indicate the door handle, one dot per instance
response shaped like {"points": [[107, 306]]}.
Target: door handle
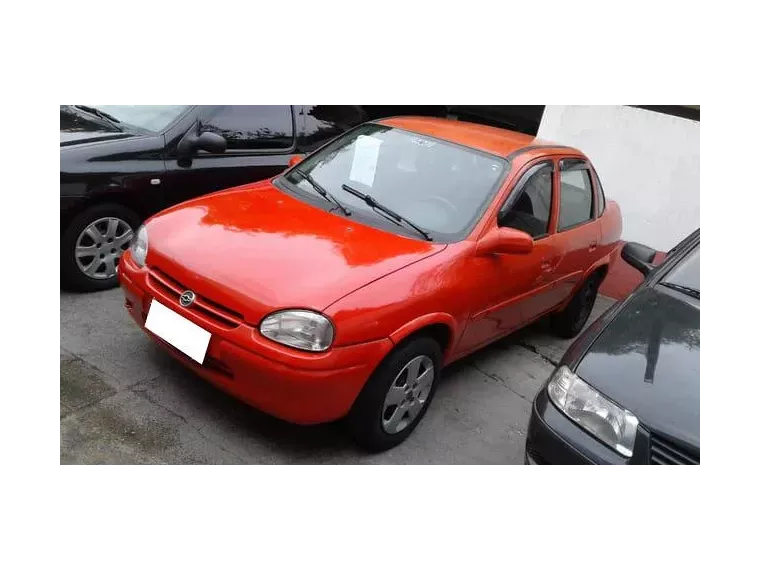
{"points": [[593, 245]]}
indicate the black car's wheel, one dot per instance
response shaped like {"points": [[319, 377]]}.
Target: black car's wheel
{"points": [[397, 395], [93, 243], [569, 322]]}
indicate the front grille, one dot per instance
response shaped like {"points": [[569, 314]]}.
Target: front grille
{"points": [[202, 306], [664, 452]]}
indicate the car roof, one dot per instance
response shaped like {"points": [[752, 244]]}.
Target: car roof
{"points": [[494, 140]]}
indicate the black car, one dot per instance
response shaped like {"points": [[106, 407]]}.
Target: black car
{"points": [[122, 163], [627, 390]]}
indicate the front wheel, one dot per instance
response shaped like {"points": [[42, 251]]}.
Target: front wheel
{"points": [[397, 395], [92, 245]]}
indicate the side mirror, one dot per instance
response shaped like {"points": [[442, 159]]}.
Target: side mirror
{"points": [[194, 141], [502, 241], [639, 256], [295, 159]]}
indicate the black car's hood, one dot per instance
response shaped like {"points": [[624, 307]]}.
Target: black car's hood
{"points": [[81, 128], [647, 360]]}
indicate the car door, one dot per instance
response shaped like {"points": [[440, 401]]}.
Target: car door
{"points": [[514, 289], [577, 227], [260, 141]]}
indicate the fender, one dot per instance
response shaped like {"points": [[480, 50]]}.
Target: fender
{"points": [[426, 320]]}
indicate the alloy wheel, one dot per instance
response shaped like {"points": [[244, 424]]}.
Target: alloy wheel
{"points": [[407, 394], [100, 246]]}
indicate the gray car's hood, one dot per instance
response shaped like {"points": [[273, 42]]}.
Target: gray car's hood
{"points": [[647, 360]]}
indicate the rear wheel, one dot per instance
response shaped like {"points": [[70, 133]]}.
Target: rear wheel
{"points": [[569, 322], [397, 395], [92, 245]]}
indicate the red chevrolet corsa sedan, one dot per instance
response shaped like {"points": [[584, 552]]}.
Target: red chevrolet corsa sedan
{"points": [[342, 287]]}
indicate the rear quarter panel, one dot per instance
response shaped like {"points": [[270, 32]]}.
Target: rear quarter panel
{"points": [[610, 229]]}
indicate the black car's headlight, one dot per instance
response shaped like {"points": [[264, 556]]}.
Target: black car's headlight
{"points": [[139, 246], [595, 413], [302, 329]]}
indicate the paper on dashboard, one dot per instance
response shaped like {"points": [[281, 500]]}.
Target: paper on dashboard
{"points": [[366, 151]]}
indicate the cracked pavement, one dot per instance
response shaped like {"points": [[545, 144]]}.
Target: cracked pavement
{"points": [[124, 401]]}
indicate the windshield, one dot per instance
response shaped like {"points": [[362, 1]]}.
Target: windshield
{"points": [[686, 273], [150, 117], [440, 187]]}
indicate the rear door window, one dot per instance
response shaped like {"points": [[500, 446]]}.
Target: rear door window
{"points": [[576, 205]]}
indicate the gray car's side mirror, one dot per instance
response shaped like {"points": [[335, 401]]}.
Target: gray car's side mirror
{"points": [[639, 256]]}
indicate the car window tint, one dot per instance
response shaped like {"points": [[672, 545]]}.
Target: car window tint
{"points": [[253, 127], [576, 200], [531, 210]]}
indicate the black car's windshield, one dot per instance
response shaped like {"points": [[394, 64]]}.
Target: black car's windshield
{"points": [[685, 275], [149, 117], [440, 187]]}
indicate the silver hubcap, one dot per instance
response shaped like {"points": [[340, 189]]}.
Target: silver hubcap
{"points": [[407, 394], [100, 245]]}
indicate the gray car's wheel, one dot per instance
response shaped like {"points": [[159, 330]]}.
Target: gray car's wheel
{"points": [[92, 245], [397, 395]]}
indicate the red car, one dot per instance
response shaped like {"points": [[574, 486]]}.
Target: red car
{"points": [[342, 287]]}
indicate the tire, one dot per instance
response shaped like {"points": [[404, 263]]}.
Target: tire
{"points": [[569, 322], [373, 422], [73, 276]]}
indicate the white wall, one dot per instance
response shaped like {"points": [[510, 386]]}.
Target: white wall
{"points": [[648, 163]]}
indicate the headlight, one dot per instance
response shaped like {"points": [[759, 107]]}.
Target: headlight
{"points": [[606, 420], [300, 329], [139, 247]]}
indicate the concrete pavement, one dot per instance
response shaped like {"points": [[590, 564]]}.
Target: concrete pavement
{"points": [[124, 401]]}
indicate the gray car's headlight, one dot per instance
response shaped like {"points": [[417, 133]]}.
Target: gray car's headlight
{"points": [[306, 330], [606, 420], [139, 247]]}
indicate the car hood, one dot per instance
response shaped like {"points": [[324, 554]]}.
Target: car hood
{"points": [[257, 249], [82, 128], [647, 360]]}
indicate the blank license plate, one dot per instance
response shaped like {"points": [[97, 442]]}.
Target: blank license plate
{"points": [[175, 329]]}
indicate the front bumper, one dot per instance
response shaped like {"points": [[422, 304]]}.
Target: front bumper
{"points": [[553, 438], [299, 387]]}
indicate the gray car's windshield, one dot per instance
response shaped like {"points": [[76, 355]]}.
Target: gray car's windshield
{"points": [[149, 117], [685, 275], [440, 187]]}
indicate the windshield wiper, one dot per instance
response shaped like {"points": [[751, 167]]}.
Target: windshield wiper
{"points": [[682, 289], [97, 112], [322, 192], [372, 203]]}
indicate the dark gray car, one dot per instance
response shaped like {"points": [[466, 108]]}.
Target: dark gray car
{"points": [[627, 390]]}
